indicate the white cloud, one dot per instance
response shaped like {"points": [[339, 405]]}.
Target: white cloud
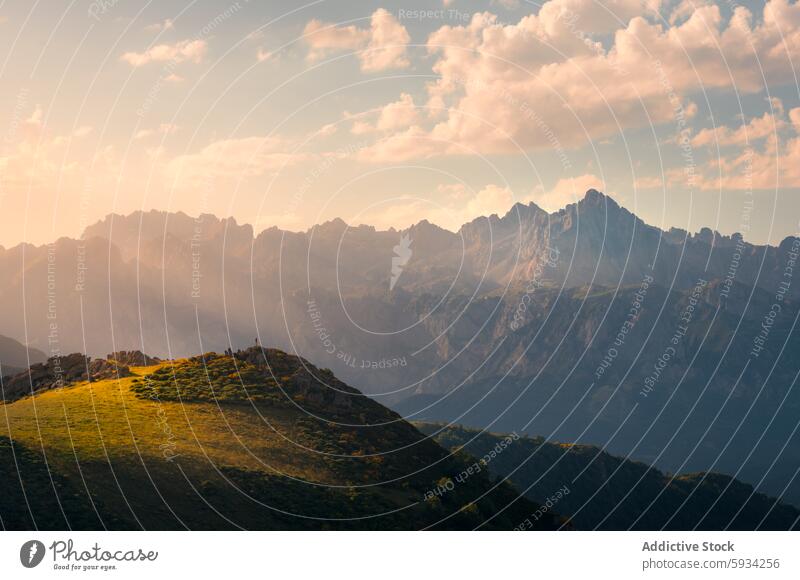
{"points": [[327, 130], [492, 199], [387, 44], [35, 119], [185, 50], [264, 55], [770, 164], [413, 143], [33, 157], [324, 39], [233, 159], [399, 114], [163, 129], [758, 128], [545, 82], [380, 47], [794, 116]]}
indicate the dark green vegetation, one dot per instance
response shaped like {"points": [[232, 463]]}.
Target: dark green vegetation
{"points": [[611, 493], [180, 445]]}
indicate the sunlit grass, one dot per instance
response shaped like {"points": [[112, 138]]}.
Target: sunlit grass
{"points": [[106, 420]]}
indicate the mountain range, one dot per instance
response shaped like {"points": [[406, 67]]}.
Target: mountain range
{"points": [[585, 325]]}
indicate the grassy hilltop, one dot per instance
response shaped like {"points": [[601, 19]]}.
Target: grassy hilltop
{"points": [[250, 440]]}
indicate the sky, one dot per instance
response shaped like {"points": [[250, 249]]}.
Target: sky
{"points": [[386, 113]]}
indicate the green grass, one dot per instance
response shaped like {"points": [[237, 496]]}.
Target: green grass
{"points": [[172, 447]]}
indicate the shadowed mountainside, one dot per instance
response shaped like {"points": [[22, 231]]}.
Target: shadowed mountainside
{"points": [[599, 491]]}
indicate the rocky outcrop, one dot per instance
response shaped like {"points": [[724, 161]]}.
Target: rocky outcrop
{"points": [[60, 372], [316, 387], [133, 358]]}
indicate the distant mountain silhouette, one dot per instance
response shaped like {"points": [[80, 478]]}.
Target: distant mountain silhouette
{"points": [[585, 324], [16, 357]]}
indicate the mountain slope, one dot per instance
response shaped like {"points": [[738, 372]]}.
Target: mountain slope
{"points": [[599, 491], [15, 357], [671, 378], [250, 440]]}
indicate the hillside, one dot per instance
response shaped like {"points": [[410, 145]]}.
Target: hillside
{"points": [[251, 439], [599, 491]]}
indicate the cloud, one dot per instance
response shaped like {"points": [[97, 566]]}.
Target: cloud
{"points": [[323, 38], [380, 47], [455, 206], [264, 55], [35, 118], [34, 157], [756, 129], [492, 199], [546, 82], [255, 35], [771, 163], [185, 50], [163, 129], [507, 4], [167, 24], [646, 182], [394, 116], [387, 44], [413, 143], [794, 116], [327, 130], [684, 9], [399, 114], [233, 159], [566, 190]]}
